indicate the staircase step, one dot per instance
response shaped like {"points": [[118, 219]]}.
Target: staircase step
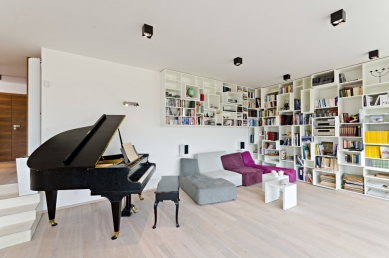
{"points": [[9, 191], [19, 204], [14, 239], [18, 222]]}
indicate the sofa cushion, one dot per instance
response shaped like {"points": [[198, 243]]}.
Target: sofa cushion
{"points": [[247, 159], [189, 167], [245, 170], [210, 161], [232, 161], [230, 176]]}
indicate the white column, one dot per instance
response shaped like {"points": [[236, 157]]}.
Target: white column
{"points": [[34, 104]]}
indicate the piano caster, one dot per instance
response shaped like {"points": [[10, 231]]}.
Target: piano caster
{"points": [[115, 235], [140, 197], [134, 210], [52, 223]]}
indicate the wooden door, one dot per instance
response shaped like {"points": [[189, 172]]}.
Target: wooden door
{"points": [[5, 127], [19, 126], [13, 126]]}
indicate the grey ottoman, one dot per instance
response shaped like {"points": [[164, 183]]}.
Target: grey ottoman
{"points": [[201, 188]]}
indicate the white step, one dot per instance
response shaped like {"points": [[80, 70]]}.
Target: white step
{"points": [[9, 191], [19, 225], [19, 204]]}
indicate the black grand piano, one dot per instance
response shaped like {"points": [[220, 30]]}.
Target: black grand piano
{"points": [[74, 160]]}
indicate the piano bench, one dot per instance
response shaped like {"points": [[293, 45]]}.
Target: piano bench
{"points": [[167, 190]]}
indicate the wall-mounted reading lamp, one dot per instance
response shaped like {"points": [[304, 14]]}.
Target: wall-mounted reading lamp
{"points": [[128, 103]]}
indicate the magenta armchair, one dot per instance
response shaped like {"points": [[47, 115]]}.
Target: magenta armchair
{"points": [[249, 162], [234, 162]]}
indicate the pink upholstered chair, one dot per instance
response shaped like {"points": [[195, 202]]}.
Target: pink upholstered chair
{"points": [[234, 162], [249, 162]]}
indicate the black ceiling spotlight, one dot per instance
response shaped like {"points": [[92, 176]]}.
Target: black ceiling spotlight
{"points": [[147, 31], [373, 54], [0, 77], [338, 17], [286, 77], [238, 61]]}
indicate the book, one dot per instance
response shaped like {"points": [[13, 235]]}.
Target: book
{"points": [[384, 152]]}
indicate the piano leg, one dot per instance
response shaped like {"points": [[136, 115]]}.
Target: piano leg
{"points": [[51, 200], [129, 209], [116, 210], [177, 204]]}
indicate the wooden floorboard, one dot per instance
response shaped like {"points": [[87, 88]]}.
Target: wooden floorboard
{"points": [[325, 223], [8, 173]]}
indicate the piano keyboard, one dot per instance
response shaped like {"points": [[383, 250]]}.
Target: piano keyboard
{"points": [[138, 176]]}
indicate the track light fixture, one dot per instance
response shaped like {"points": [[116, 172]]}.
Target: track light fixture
{"points": [[238, 61], [373, 54], [147, 31], [128, 103], [338, 17], [286, 77]]}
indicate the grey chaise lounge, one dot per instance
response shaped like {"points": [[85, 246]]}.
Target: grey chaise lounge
{"points": [[201, 188]]}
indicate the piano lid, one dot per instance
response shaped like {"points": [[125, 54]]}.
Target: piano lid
{"points": [[77, 148]]}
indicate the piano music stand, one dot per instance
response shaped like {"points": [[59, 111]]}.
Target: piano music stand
{"points": [[167, 189]]}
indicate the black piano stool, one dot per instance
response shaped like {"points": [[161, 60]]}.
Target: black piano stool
{"points": [[167, 189]]}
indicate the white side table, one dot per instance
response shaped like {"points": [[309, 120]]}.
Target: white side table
{"points": [[289, 193], [270, 177]]}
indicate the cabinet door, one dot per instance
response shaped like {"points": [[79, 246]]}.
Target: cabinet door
{"points": [[5, 126]]}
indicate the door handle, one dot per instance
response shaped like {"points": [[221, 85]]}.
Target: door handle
{"points": [[16, 127]]}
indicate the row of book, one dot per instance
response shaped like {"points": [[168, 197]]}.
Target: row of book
{"points": [[286, 89], [296, 139], [306, 152], [353, 183], [251, 94], [377, 137], [326, 163], [173, 102], [350, 130], [352, 145], [328, 180], [269, 121], [169, 112], [271, 104], [326, 148], [272, 136], [253, 113], [377, 152], [187, 121], [253, 122], [379, 100], [349, 91], [251, 104], [305, 176], [286, 119], [345, 118], [299, 160], [322, 103], [270, 112], [352, 158], [271, 98], [377, 163]]}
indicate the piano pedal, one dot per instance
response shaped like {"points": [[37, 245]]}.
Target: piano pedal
{"points": [[134, 210], [115, 235], [52, 223], [140, 197]]}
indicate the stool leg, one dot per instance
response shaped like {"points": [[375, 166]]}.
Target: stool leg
{"points": [[177, 204], [155, 214]]}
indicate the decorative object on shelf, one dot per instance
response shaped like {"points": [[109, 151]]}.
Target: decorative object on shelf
{"points": [[128, 103], [184, 149], [342, 78], [283, 154], [147, 31], [286, 77], [322, 80], [373, 54], [241, 145], [238, 61], [379, 73], [201, 97], [286, 105], [338, 17], [190, 92]]}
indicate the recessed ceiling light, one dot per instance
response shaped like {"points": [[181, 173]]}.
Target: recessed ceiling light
{"points": [[373, 54], [147, 31], [338, 17], [238, 61], [286, 77]]}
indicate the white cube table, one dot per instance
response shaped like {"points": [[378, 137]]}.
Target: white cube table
{"points": [[270, 177], [289, 193]]}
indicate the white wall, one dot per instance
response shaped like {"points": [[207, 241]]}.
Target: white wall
{"points": [[9, 87], [82, 89]]}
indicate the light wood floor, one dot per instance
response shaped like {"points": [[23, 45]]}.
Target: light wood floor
{"points": [[8, 173], [325, 223]]}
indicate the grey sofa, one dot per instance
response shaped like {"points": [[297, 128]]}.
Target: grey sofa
{"points": [[201, 188]]}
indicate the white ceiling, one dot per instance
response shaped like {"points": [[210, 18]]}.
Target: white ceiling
{"points": [[200, 37]]}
